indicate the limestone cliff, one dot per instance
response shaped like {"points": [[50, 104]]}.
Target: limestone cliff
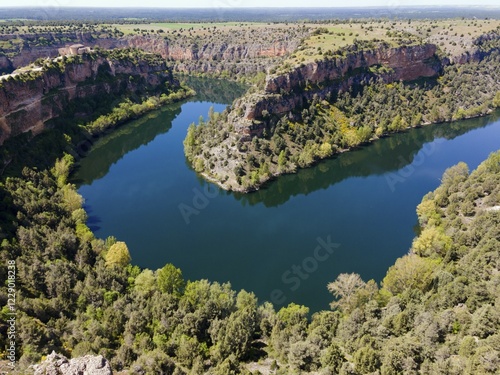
{"points": [[483, 46], [187, 55], [292, 90], [39, 45], [28, 100], [222, 50], [215, 57]]}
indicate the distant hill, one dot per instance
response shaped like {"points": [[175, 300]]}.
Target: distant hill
{"points": [[248, 14]]}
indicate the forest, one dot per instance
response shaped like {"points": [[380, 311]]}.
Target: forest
{"points": [[434, 312]]}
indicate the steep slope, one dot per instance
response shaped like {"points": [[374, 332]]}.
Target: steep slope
{"points": [[222, 52]]}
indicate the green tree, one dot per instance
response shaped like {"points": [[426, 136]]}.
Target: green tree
{"points": [[496, 100], [366, 360], [234, 335], [333, 358], [396, 124], [325, 150], [304, 356], [282, 159], [432, 242], [410, 272], [145, 282], [118, 255], [170, 280], [290, 327], [62, 168]]}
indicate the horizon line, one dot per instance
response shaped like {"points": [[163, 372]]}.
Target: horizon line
{"points": [[258, 7]]}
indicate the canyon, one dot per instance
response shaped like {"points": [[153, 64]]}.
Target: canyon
{"points": [[26, 104], [281, 90]]}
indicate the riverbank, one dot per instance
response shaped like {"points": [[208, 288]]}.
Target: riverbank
{"points": [[341, 197], [266, 179]]}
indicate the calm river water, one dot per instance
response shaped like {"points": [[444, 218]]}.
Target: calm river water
{"points": [[353, 213]]}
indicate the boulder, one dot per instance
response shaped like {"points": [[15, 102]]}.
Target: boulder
{"points": [[57, 364]]}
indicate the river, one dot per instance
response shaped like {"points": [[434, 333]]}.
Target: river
{"points": [[352, 213]]}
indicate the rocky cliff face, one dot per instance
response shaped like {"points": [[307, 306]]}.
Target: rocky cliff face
{"points": [[483, 47], [206, 54], [26, 103], [57, 364], [407, 63], [286, 92], [5, 64], [24, 54]]}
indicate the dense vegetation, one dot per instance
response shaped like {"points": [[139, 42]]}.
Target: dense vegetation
{"points": [[76, 138], [325, 127], [435, 311]]}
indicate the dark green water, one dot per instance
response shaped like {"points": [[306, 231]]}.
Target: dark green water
{"points": [[353, 213]]}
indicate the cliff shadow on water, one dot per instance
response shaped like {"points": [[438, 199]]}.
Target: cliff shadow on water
{"points": [[388, 154], [130, 136], [134, 134]]}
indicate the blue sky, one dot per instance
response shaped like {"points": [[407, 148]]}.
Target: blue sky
{"points": [[245, 3]]}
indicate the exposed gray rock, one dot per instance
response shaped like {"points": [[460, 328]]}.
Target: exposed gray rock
{"points": [[57, 364]]}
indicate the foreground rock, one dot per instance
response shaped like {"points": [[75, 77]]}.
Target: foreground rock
{"points": [[57, 364]]}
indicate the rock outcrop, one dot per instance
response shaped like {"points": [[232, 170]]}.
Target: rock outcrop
{"points": [[5, 64], [407, 63], [484, 45], [29, 100], [213, 57], [31, 49], [57, 364], [292, 90]]}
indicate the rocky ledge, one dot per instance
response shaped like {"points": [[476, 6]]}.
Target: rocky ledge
{"points": [[57, 364]]}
